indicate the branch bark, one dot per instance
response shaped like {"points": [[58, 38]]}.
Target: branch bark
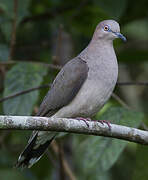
{"points": [[74, 126]]}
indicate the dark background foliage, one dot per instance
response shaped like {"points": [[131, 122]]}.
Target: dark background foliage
{"points": [[38, 36]]}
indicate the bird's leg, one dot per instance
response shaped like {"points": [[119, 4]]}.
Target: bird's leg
{"points": [[107, 122], [84, 119], [89, 119]]}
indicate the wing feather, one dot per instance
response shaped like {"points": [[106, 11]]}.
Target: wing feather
{"points": [[65, 87]]}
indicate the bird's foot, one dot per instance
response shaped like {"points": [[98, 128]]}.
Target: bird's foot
{"points": [[106, 122], [84, 119]]}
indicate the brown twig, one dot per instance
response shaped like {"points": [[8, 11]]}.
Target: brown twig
{"points": [[62, 170], [117, 98], [27, 61], [48, 85], [132, 83], [51, 158], [24, 92], [13, 35], [66, 167]]}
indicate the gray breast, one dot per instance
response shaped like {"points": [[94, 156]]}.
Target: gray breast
{"points": [[95, 91]]}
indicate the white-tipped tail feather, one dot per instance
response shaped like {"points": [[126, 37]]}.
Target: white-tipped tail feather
{"points": [[37, 145]]}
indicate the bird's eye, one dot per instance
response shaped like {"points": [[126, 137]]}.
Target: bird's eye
{"points": [[106, 28]]}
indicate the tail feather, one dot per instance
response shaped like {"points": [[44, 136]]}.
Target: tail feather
{"points": [[35, 149]]}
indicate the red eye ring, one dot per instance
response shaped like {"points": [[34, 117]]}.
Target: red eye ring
{"points": [[106, 28]]}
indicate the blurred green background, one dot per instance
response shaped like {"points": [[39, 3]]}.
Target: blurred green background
{"points": [[37, 33]]}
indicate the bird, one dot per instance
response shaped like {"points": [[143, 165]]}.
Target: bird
{"points": [[80, 89]]}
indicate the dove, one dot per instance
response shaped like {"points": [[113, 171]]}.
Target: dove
{"points": [[80, 89]]}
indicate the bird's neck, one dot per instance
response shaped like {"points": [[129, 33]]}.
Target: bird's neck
{"points": [[101, 60], [96, 49]]}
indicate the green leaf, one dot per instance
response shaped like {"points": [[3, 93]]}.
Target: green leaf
{"points": [[21, 77], [8, 8], [122, 116], [4, 52], [140, 170], [100, 153]]}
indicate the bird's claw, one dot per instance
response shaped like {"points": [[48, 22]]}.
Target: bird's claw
{"points": [[106, 122], [85, 120]]}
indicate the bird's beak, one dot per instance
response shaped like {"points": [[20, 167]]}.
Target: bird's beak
{"points": [[119, 35]]}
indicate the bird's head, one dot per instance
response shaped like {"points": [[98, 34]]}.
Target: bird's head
{"points": [[108, 30]]}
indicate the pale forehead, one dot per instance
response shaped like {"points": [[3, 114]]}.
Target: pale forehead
{"points": [[111, 23]]}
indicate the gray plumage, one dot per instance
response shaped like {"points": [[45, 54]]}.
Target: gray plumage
{"points": [[65, 87], [80, 89]]}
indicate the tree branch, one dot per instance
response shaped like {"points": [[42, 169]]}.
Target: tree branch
{"points": [[74, 126], [24, 92]]}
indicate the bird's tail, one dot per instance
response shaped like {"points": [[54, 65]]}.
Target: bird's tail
{"points": [[37, 145]]}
